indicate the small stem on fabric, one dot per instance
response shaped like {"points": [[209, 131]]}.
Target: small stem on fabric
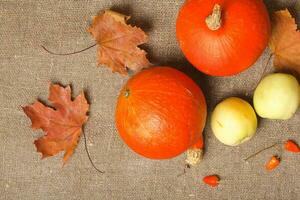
{"points": [[186, 166], [253, 155], [89, 156], [264, 71], [67, 54]]}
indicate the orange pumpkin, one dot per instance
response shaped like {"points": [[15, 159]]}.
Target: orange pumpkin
{"points": [[223, 37], [161, 113]]}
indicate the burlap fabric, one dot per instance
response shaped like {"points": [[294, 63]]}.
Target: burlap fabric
{"points": [[24, 75]]}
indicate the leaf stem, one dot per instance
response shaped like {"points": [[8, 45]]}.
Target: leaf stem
{"points": [[89, 156], [255, 154], [67, 54]]}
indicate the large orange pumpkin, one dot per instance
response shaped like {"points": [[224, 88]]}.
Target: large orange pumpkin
{"points": [[223, 37], [161, 113]]}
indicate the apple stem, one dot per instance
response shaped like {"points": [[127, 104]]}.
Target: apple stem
{"points": [[255, 154]]}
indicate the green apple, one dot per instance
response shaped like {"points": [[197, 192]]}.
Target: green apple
{"points": [[234, 121], [277, 96]]}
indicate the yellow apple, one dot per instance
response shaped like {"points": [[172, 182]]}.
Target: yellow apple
{"points": [[277, 96], [234, 121]]}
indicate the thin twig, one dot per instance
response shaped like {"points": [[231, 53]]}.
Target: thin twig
{"points": [[261, 151], [67, 54], [89, 156], [264, 71], [187, 166]]}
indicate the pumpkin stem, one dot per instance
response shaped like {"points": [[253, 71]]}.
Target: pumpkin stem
{"points": [[214, 20], [194, 156]]}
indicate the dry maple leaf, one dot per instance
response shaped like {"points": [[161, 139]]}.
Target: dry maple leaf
{"points": [[118, 42], [285, 41], [62, 125]]}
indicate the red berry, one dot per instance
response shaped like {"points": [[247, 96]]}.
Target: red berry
{"points": [[212, 180]]}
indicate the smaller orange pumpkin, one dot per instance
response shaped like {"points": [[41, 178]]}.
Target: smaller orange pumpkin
{"points": [[161, 113], [223, 37]]}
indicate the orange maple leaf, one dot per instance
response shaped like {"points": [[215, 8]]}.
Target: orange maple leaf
{"points": [[62, 125], [118, 42], [285, 41]]}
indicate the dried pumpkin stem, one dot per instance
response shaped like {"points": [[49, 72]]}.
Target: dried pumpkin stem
{"points": [[67, 54], [214, 21], [194, 156]]}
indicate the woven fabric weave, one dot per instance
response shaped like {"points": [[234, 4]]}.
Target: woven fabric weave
{"points": [[26, 69]]}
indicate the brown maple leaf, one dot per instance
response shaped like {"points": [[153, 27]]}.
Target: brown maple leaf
{"points": [[118, 42], [62, 125], [285, 41]]}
